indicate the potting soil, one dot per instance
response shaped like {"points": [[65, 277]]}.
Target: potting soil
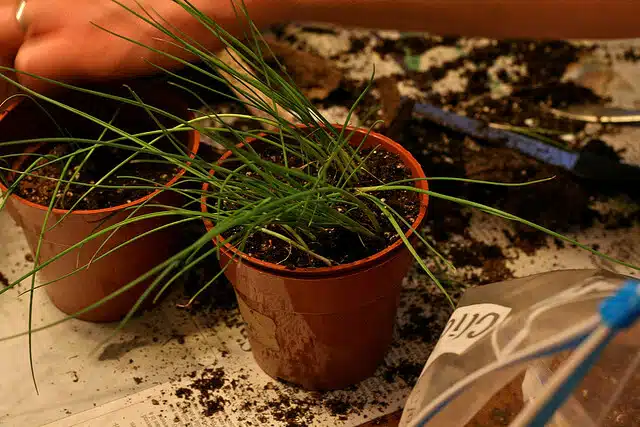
{"points": [[340, 245], [40, 185]]}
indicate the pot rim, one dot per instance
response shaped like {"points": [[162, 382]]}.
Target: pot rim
{"points": [[386, 143], [193, 143], [13, 103]]}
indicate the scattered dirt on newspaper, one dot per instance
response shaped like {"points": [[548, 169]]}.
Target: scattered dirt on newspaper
{"points": [[421, 317], [205, 389], [632, 54], [272, 402], [4, 282]]}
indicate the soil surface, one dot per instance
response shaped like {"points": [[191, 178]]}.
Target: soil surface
{"points": [[339, 244], [43, 183]]}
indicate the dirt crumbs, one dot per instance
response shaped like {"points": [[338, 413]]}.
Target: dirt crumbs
{"points": [[631, 55], [274, 403], [422, 315], [184, 393], [289, 410], [4, 282], [406, 370], [207, 387], [444, 153]]}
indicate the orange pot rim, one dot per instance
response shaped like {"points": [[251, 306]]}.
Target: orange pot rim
{"points": [[193, 142], [385, 142], [12, 104]]}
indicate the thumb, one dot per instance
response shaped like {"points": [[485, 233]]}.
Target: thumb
{"points": [[43, 58], [102, 58]]}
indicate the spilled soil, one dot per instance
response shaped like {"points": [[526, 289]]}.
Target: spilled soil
{"points": [[421, 317], [284, 404]]}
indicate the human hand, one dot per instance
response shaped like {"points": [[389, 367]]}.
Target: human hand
{"points": [[63, 41], [10, 41]]}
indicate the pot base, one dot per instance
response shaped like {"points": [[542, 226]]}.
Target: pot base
{"points": [[291, 348]]}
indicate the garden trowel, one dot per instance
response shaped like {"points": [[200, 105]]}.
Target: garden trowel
{"points": [[585, 165]]}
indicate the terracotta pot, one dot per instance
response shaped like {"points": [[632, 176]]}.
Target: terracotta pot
{"points": [[107, 275], [329, 327]]}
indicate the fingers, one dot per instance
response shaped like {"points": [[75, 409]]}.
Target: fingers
{"points": [[6, 88], [11, 37], [33, 58], [44, 16], [62, 58], [11, 34], [79, 59], [62, 42]]}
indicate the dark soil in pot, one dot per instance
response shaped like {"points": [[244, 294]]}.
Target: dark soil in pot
{"points": [[338, 244], [28, 121], [40, 185]]}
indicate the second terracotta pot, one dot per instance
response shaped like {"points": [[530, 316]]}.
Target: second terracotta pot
{"points": [[330, 327], [107, 275]]}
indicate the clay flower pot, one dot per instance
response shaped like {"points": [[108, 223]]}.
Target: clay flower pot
{"points": [[329, 327], [107, 275]]}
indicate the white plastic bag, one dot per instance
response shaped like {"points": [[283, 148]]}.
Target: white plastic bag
{"points": [[505, 341]]}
